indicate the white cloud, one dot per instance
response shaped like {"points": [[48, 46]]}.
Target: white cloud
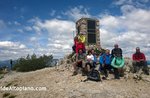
{"points": [[129, 30], [20, 30], [28, 28], [109, 22], [138, 20], [77, 12], [12, 45], [59, 36], [53, 12], [56, 25], [32, 39], [13, 50], [133, 20], [123, 2], [36, 28], [127, 9], [17, 23], [136, 3]]}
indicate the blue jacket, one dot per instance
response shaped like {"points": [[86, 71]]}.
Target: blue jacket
{"points": [[105, 59], [95, 59]]}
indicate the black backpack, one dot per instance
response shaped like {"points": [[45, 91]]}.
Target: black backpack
{"points": [[94, 75]]}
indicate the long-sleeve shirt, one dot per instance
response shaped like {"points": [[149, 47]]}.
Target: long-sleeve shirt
{"points": [[90, 57], [82, 38], [105, 59], [80, 45], [116, 52], [138, 56], [96, 59]]}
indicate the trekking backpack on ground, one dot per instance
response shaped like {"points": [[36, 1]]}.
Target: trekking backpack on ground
{"points": [[94, 75]]}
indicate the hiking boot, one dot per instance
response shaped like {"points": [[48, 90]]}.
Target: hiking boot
{"points": [[74, 73], [147, 73], [84, 74], [117, 77], [104, 78], [121, 75], [107, 78]]}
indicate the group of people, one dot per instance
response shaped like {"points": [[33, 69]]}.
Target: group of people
{"points": [[108, 62]]}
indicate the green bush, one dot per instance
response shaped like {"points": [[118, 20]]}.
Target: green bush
{"points": [[31, 63]]}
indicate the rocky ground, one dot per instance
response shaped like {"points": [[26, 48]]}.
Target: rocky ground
{"points": [[60, 84]]}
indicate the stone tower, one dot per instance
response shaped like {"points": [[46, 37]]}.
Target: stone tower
{"points": [[90, 28]]}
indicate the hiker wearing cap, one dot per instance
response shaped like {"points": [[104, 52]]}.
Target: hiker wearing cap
{"points": [[105, 61], [116, 52], [139, 62]]}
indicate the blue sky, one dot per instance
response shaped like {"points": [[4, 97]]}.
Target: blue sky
{"points": [[46, 26]]}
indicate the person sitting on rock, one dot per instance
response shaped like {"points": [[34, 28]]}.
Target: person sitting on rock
{"points": [[95, 61], [89, 62], [80, 61], [139, 61], [105, 61], [117, 62]]}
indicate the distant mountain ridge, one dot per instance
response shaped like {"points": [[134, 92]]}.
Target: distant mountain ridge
{"points": [[6, 63]]}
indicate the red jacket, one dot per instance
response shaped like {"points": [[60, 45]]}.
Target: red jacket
{"points": [[75, 42], [80, 45], [138, 56]]}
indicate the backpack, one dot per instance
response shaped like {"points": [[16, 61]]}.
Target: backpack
{"points": [[94, 75], [74, 48]]}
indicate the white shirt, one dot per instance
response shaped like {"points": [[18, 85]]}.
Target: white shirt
{"points": [[90, 57]]}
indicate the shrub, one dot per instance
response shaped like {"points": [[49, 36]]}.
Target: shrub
{"points": [[31, 63]]}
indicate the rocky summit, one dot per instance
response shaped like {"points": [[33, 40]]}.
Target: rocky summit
{"points": [[60, 83]]}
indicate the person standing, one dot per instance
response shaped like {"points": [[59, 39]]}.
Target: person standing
{"points": [[116, 52], [11, 63]]}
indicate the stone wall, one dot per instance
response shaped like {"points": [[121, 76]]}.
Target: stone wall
{"points": [[82, 25]]}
